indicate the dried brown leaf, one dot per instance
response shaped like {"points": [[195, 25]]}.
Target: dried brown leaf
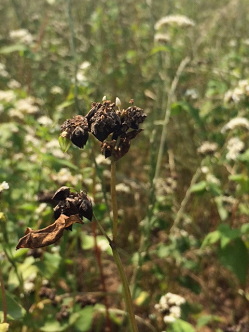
{"points": [[48, 235]]}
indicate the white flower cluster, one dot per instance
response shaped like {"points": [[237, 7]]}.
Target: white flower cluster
{"points": [[165, 187], [28, 105], [207, 148], [81, 74], [240, 92], [65, 176], [162, 37], [234, 146], [178, 20], [170, 306], [234, 123], [7, 96], [56, 90], [22, 36], [3, 71], [4, 186]]}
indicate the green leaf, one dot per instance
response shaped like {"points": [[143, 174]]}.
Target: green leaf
{"points": [[56, 162], [221, 209], [49, 265], [54, 326], [244, 156], [157, 49], [244, 228], [206, 319], [227, 234], [198, 187], [180, 326], [15, 311], [13, 48], [64, 143], [235, 257], [82, 319], [211, 238]]}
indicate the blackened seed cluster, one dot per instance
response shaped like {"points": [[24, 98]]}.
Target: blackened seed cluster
{"points": [[72, 204], [105, 119]]}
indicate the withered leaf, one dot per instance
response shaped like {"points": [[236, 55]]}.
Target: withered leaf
{"points": [[48, 235]]}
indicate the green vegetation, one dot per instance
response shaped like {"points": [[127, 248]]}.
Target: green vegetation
{"points": [[181, 229]]}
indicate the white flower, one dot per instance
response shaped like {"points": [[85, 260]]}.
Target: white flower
{"points": [[169, 319], [56, 90], [45, 120], [180, 20], [7, 96], [205, 169], [207, 147], [13, 84], [101, 160], [22, 36], [84, 65], [65, 176], [238, 93], [234, 147], [3, 71], [175, 311], [121, 187], [13, 113], [4, 186], [174, 299], [53, 147], [162, 37], [27, 106], [212, 179], [192, 93], [236, 122], [118, 102]]}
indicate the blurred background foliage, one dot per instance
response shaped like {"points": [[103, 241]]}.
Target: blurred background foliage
{"points": [[183, 187]]}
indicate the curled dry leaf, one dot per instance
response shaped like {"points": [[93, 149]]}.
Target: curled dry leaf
{"points": [[48, 235]]}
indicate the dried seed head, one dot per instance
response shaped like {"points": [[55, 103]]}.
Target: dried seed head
{"points": [[61, 194], [103, 120], [76, 129], [79, 136], [73, 204]]}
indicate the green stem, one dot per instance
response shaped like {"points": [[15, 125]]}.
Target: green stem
{"points": [[171, 94], [114, 200], [126, 289], [4, 301], [73, 51]]}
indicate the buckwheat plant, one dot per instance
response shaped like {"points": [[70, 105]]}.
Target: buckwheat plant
{"points": [[114, 128]]}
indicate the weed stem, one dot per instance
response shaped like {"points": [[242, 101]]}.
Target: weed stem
{"points": [[114, 200], [4, 301], [126, 289]]}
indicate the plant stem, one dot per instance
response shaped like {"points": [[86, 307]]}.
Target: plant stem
{"points": [[171, 94], [114, 200], [185, 200], [4, 301], [126, 289], [73, 51]]}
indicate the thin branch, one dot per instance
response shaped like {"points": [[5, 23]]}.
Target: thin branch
{"points": [[73, 51], [171, 94], [185, 199]]}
